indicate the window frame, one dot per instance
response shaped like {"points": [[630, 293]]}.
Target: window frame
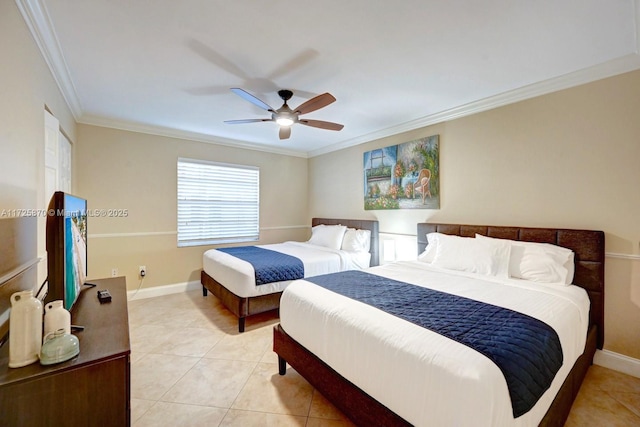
{"points": [[212, 196]]}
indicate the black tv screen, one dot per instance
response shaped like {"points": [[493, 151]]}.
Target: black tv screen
{"points": [[66, 248]]}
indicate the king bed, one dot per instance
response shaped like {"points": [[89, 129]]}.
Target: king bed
{"points": [[232, 274], [372, 342]]}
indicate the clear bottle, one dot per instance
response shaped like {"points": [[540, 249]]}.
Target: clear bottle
{"points": [[25, 329]]}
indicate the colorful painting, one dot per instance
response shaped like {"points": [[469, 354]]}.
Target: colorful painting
{"points": [[404, 176]]}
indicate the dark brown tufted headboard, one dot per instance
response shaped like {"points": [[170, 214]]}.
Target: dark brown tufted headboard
{"points": [[361, 224], [588, 246]]}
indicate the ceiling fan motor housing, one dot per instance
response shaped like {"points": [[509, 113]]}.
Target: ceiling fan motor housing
{"points": [[285, 94], [284, 116]]}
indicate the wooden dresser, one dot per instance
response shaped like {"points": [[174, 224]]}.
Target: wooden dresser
{"points": [[91, 389]]}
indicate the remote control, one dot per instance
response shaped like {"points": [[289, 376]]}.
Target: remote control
{"points": [[104, 296]]}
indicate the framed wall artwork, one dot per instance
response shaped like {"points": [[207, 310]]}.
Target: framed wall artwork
{"points": [[404, 176]]}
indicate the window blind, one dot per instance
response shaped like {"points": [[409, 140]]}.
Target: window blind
{"points": [[217, 203]]}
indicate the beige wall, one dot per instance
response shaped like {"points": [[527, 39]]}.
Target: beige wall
{"points": [[119, 169], [26, 87], [568, 159]]}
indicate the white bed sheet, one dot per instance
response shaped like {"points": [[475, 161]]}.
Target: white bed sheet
{"points": [[238, 275], [424, 377]]}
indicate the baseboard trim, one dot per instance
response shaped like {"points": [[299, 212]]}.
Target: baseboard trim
{"points": [[617, 362], [157, 291]]}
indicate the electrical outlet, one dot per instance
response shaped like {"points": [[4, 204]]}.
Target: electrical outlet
{"points": [[142, 270], [114, 272]]}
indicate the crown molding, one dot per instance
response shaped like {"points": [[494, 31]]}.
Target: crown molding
{"points": [[39, 23], [611, 68], [36, 17], [182, 134]]}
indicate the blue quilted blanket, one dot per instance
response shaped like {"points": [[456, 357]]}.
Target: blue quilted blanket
{"points": [[526, 350], [269, 266]]}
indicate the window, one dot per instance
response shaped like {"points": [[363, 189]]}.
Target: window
{"points": [[217, 203]]}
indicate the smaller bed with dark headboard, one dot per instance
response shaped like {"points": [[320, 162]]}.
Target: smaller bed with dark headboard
{"points": [[413, 342], [250, 279]]}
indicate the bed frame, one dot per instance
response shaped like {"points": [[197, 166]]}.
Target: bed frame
{"points": [[362, 409], [247, 306]]}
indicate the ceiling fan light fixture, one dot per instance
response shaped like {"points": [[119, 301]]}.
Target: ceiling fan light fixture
{"points": [[284, 120]]}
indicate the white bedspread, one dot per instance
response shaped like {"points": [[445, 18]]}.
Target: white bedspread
{"points": [[424, 377], [238, 275]]}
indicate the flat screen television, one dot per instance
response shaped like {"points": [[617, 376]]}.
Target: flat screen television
{"points": [[66, 248]]}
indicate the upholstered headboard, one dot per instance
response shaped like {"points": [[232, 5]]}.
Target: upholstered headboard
{"points": [[362, 224], [588, 246]]}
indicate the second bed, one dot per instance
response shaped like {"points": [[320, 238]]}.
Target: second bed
{"points": [[233, 280]]}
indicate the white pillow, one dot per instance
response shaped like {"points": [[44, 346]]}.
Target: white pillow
{"points": [[329, 236], [570, 265], [356, 240], [539, 262], [487, 257], [430, 251]]}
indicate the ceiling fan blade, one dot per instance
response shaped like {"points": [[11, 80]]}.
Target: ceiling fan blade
{"points": [[216, 58], [285, 132], [206, 90], [252, 99], [316, 103], [298, 61], [321, 124], [236, 122]]}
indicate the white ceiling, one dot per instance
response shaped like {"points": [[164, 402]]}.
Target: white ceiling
{"points": [[166, 66]]}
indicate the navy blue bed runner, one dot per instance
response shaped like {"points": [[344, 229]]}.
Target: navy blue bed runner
{"points": [[526, 350], [269, 266]]}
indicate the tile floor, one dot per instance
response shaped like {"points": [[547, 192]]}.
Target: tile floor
{"points": [[191, 367]]}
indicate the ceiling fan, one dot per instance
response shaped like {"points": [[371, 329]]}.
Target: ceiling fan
{"points": [[285, 116]]}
